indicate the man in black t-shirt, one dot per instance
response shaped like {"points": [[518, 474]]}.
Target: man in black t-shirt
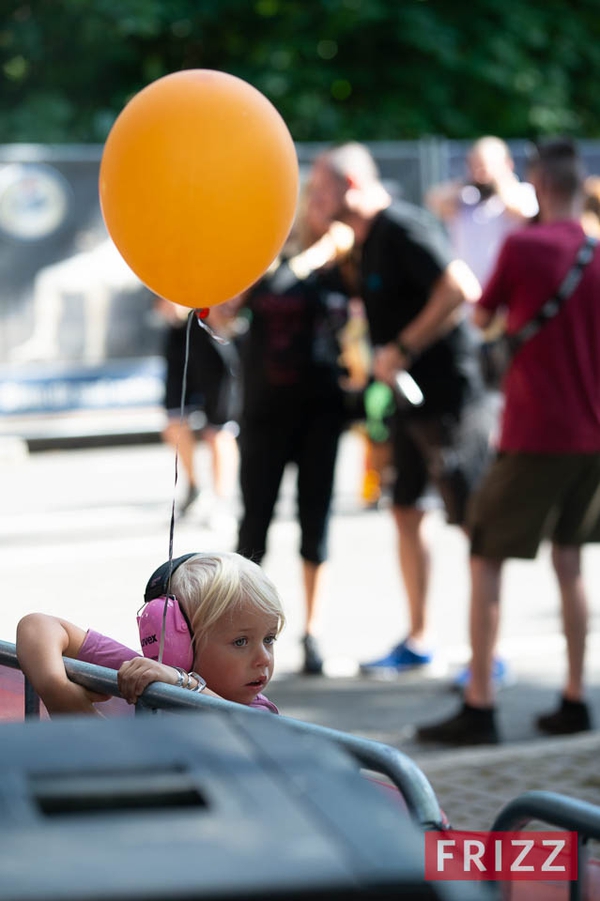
{"points": [[414, 294]]}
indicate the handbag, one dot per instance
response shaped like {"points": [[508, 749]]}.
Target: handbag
{"points": [[497, 353]]}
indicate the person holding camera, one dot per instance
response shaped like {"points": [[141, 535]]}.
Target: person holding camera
{"points": [[481, 210], [544, 483]]}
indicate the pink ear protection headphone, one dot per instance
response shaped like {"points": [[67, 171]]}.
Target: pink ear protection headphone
{"points": [[162, 622]]}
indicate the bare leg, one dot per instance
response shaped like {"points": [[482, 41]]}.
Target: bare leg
{"points": [[180, 436], [415, 566], [474, 724], [465, 675], [224, 460], [313, 577], [313, 574], [484, 623], [567, 566]]}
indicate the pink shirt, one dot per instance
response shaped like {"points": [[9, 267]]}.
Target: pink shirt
{"points": [[552, 389], [104, 651]]}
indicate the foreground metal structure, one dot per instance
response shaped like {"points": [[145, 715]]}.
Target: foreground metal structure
{"points": [[416, 793]]}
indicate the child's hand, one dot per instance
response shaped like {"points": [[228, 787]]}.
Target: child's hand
{"points": [[136, 675]]}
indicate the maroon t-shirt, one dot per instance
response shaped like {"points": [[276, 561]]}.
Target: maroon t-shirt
{"points": [[552, 389]]}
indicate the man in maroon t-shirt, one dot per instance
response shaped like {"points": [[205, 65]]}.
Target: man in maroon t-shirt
{"points": [[545, 481]]}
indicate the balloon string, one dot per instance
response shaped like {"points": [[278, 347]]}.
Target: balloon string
{"points": [[176, 477], [188, 330], [201, 316], [227, 356]]}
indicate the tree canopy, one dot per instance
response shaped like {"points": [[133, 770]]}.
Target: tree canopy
{"points": [[335, 69]]}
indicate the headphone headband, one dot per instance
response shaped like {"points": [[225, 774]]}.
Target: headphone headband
{"points": [[158, 583]]}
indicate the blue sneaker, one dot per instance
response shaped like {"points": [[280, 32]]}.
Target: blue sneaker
{"points": [[502, 675], [400, 659]]}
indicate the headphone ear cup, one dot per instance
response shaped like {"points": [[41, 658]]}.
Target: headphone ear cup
{"points": [[178, 649]]}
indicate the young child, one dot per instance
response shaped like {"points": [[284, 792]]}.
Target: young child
{"points": [[231, 613]]}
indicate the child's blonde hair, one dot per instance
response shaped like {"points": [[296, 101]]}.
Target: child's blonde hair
{"points": [[209, 585]]}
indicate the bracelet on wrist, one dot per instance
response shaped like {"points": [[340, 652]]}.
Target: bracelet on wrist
{"points": [[201, 682], [181, 675]]}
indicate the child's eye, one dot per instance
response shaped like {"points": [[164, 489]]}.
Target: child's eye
{"points": [[240, 642], [270, 639]]}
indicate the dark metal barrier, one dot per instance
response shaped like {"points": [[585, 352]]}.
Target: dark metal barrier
{"points": [[414, 787], [559, 810], [550, 807], [217, 807]]}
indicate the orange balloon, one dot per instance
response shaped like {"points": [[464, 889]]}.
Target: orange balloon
{"points": [[199, 186]]}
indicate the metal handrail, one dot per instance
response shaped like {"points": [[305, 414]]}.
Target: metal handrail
{"points": [[550, 807], [559, 810], [420, 799]]}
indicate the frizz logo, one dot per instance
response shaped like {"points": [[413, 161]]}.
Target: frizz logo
{"points": [[506, 856]]}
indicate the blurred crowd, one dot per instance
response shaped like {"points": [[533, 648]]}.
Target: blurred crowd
{"points": [[374, 318]]}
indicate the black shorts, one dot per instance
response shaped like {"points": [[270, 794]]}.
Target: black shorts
{"points": [[449, 453], [526, 498], [212, 383]]}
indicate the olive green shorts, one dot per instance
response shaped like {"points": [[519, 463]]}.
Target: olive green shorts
{"points": [[526, 498]]}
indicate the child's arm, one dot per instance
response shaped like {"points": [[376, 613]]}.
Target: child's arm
{"points": [[137, 674], [42, 641]]}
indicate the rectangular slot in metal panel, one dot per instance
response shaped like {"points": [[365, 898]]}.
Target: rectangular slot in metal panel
{"points": [[113, 792]]}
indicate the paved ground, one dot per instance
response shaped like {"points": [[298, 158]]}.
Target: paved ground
{"points": [[81, 530], [472, 784]]}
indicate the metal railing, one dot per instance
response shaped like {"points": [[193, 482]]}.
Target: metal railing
{"points": [[559, 810], [420, 799]]}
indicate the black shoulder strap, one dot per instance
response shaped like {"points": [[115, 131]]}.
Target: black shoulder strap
{"points": [[551, 307]]}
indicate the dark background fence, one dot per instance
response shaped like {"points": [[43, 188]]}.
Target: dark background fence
{"points": [[65, 344]]}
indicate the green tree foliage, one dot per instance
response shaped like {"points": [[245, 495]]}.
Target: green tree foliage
{"points": [[336, 69]]}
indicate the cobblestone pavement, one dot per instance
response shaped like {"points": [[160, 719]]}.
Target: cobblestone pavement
{"points": [[472, 784]]}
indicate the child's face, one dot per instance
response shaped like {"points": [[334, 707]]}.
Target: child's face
{"points": [[237, 655]]}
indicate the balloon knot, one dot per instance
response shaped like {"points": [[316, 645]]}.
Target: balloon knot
{"points": [[203, 313]]}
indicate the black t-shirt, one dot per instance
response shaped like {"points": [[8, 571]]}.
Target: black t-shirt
{"points": [[290, 354], [405, 253]]}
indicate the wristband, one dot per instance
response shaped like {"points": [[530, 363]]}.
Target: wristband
{"points": [[201, 682]]}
